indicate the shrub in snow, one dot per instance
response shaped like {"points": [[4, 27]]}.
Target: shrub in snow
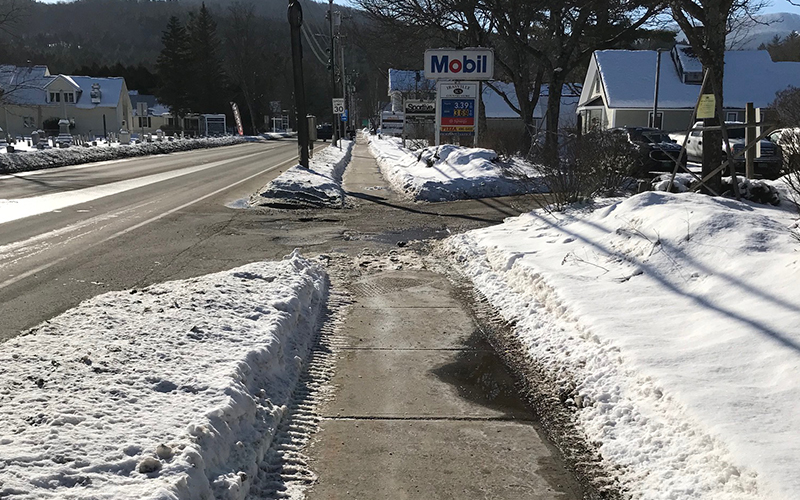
{"points": [[599, 163], [757, 191], [50, 158]]}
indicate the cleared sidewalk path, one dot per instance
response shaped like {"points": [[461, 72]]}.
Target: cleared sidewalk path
{"points": [[422, 407]]}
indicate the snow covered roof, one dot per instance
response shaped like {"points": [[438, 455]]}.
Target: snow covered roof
{"points": [[497, 107], [110, 91], [68, 79], [26, 86], [628, 77], [154, 108], [23, 84], [401, 80]]}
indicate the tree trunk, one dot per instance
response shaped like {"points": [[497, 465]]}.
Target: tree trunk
{"points": [[715, 64], [554, 89]]}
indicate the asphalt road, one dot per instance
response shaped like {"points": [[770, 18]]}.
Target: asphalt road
{"points": [[52, 261]]}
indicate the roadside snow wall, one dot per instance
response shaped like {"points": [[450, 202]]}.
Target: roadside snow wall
{"points": [[320, 185], [51, 158], [170, 392]]}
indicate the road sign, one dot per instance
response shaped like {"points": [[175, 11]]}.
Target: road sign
{"points": [[338, 105], [459, 64], [344, 115]]}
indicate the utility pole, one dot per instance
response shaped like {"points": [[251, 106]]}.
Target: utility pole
{"points": [[332, 62], [295, 22], [655, 123], [344, 78]]}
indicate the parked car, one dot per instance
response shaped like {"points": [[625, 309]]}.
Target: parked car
{"points": [[658, 151], [767, 165], [324, 132]]}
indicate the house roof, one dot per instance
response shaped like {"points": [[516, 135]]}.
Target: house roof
{"points": [[628, 77], [64, 77], [23, 85], [497, 107], [154, 108], [26, 86]]}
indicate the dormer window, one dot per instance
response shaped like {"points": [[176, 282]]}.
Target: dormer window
{"points": [[55, 96], [69, 97]]}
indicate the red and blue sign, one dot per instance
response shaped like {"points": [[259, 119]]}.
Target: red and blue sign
{"points": [[458, 116], [464, 64]]}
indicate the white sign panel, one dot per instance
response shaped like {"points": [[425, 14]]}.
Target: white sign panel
{"points": [[338, 105], [456, 90], [416, 107], [392, 123], [464, 64]]}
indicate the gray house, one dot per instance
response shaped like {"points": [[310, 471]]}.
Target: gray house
{"points": [[31, 96], [620, 86]]}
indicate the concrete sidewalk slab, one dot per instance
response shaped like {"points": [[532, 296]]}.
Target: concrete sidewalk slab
{"points": [[422, 407], [374, 459], [386, 328]]}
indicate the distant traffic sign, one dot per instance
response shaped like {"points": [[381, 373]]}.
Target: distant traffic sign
{"points": [[338, 105], [344, 115]]}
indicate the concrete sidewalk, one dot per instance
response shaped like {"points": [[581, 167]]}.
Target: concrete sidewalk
{"points": [[423, 408]]}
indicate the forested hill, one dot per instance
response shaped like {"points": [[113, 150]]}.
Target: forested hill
{"points": [[66, 36]]}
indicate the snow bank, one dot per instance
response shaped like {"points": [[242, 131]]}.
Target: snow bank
{"points": [[320, 185], [674, 324], [49, 158], [450, 172], [173, 391]]}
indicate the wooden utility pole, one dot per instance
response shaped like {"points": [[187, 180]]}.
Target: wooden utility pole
{"points": [[749, 137], [296, 22]]}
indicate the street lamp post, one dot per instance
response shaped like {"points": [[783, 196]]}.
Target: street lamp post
{"points": [[295, 22]]}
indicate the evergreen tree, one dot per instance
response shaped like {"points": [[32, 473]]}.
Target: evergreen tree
{"points": [[209, 85], [174, 68]]}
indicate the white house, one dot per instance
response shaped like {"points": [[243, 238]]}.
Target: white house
{"points": [[33, 98], [619, 87]]}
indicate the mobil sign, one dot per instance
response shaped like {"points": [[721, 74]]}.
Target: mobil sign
{"points": [[459, 64]]}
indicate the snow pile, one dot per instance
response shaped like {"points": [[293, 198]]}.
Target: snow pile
{"points": [[320, 185], [673, 323], [450, 172], [277, 135], [75, 155], [174, 391]]}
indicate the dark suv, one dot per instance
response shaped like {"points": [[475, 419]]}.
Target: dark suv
{"points": [[658, 151], [324, 132]]}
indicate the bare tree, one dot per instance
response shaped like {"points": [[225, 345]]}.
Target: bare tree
{"points": [[535, 41], [243, 58], [706, 24]]}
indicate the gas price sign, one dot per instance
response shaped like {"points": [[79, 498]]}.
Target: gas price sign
{"points": [[458, 116]]}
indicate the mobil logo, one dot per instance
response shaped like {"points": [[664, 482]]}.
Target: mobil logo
{"points": [[463, 64]]}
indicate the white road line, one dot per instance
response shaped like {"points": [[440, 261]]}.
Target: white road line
{"points": [[41, 268], [15, 209]]}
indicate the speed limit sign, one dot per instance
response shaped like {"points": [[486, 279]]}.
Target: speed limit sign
{"points": [[338, 106]]}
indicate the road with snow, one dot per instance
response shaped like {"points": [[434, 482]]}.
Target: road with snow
{"points": [[67, 234]]}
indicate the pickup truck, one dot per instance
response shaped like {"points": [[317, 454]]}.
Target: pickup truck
{"points": [[767, 166]]}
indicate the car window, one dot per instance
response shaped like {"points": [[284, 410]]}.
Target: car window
{"points": [[696, 133]]}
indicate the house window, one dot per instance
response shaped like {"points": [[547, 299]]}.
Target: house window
{"points": [[597, 85], [659, 119], [732, 116], [144, 121], [27, 122], [69, 97], [55, 97]]}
